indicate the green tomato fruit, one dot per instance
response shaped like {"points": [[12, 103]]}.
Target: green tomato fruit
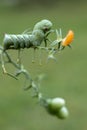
{"points": [[62, 113], [48, 107], [57, 103], [53, 105]]}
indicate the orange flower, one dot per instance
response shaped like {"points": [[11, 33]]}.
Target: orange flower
{"points": [[68, 39]]}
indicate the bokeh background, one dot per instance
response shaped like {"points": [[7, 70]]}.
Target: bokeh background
{"points": [[67, 78]]}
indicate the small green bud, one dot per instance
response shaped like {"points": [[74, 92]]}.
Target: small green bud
{"points": [[51, 56], [62, 113]]}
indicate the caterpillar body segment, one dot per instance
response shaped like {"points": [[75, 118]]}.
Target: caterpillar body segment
{"points": [[39, 33], [43, 25], [17, 41]]}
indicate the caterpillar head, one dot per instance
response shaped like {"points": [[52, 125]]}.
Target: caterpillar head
{"points": [[43, 25]]}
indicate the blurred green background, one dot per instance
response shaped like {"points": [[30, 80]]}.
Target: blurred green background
{"points": [[67, 78]]}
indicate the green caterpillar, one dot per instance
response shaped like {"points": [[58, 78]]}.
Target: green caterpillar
{"points": [[40, 31]]}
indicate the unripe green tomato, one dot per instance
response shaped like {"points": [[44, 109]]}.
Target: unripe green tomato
{"points": [[55, 104], [62, 113], [48, 107]]}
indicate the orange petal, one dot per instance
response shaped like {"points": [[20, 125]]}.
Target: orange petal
{"points": [[68, 39]]}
